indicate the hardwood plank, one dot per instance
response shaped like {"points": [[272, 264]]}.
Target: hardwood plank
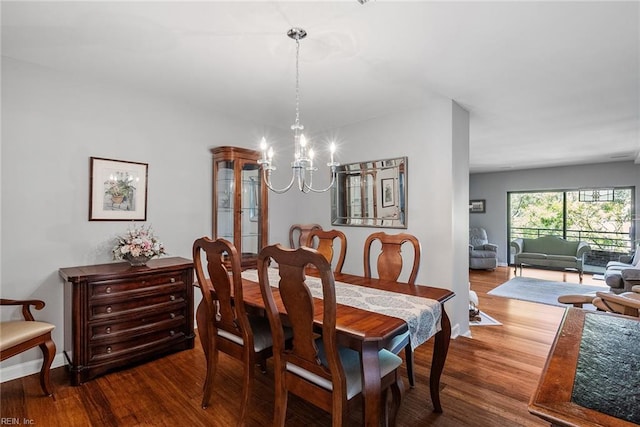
{"points": [[487, 380]]}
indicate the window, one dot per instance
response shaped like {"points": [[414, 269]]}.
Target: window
{"points": [[602, 217]]}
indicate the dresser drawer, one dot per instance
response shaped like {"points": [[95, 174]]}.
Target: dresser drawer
{"points": [[116, 308], [144, 322], [140, 343], [114, 287]]}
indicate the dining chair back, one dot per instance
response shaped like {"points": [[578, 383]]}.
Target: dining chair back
{"points": [[389, 266], [298, 234], [17, 336], [323, 241], [223, 322], [389, 262], [315, 368]]}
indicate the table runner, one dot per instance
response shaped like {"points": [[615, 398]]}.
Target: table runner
{"points": [[421, 314]]}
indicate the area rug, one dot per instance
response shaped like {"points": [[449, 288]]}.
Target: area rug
{"points": [[485, 320], [542, 291]]}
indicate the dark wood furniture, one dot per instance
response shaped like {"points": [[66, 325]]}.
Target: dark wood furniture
{"points": [[335, 382], [240, 202], [553, 399], [368, 332], [21, 335], [116, 315], [389, 261], [223, 323], [298, 234], [325, 245], [389, 266]]}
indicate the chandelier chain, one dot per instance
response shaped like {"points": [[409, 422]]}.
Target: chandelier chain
{"points": [[297, 123]]}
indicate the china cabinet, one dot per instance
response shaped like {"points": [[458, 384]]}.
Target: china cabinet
{"points": [[240, 204]]}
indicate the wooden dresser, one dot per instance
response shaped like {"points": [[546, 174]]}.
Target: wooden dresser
{"points": [[116, 315]]}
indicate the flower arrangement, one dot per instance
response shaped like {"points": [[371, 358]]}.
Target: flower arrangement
{"points": [[138, 242], [119, 185]]}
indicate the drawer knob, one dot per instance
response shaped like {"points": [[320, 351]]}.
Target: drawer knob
{"points": [[172, 333], [108, 349], [172, 315], [108, 290], [172, 298], [173, 280], [108, 329], [109, 309]]}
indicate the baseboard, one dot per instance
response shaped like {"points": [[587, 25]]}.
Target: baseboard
{"points": [[28, 368]]}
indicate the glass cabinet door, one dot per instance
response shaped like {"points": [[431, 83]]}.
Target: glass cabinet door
{"points": [[224, 183], [251, 211], [240, 202]]}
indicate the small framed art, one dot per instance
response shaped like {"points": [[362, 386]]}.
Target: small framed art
{"points": [[388, 196], [117, 190], [477, 206]]}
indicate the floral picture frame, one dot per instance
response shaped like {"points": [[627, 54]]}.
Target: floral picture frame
{"points": [[117, 190]]}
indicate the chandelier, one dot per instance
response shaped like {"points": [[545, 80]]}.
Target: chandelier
{"points": [[302, 166]]}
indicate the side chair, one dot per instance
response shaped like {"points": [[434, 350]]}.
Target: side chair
{"points": [[389, 265], [315, 368], [298, 234], [223, 322], [323, 241], [17, 336]]}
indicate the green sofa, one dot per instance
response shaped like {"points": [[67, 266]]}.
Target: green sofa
{"points": [[551, 252]]}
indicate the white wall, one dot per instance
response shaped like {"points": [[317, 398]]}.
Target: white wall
{"points": [[51, 125], [494, 187]]}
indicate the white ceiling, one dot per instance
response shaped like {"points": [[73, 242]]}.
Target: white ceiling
{"points": [[546, 83]]}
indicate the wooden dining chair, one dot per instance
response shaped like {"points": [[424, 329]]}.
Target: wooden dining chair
{"points": [[315, 368], [17, 336], [323, 241], [389, 266], [298, 234], [223, 322]]}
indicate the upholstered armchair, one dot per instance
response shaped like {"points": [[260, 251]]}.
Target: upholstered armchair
{"points": [[482, 254], [622, 275]]}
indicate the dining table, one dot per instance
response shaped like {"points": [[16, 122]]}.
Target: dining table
{"points": [[368, 330]]}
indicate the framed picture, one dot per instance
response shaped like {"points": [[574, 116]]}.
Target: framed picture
{"points": [[477, 206], [388, 196], [117, 190]]}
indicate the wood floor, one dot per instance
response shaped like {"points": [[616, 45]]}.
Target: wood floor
{"points": [[487, 381]]}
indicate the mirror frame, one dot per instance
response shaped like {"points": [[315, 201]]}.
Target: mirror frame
{"points": [[382, 184]]}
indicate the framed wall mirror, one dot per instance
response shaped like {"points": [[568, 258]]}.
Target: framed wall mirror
{"points": [[371, 194]]}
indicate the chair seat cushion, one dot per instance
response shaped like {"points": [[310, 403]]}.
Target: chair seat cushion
{"points": [[617, 265], [399, 342], [531, 255], [16, 332], [262, 338], [351, 365], [479, 253]]}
